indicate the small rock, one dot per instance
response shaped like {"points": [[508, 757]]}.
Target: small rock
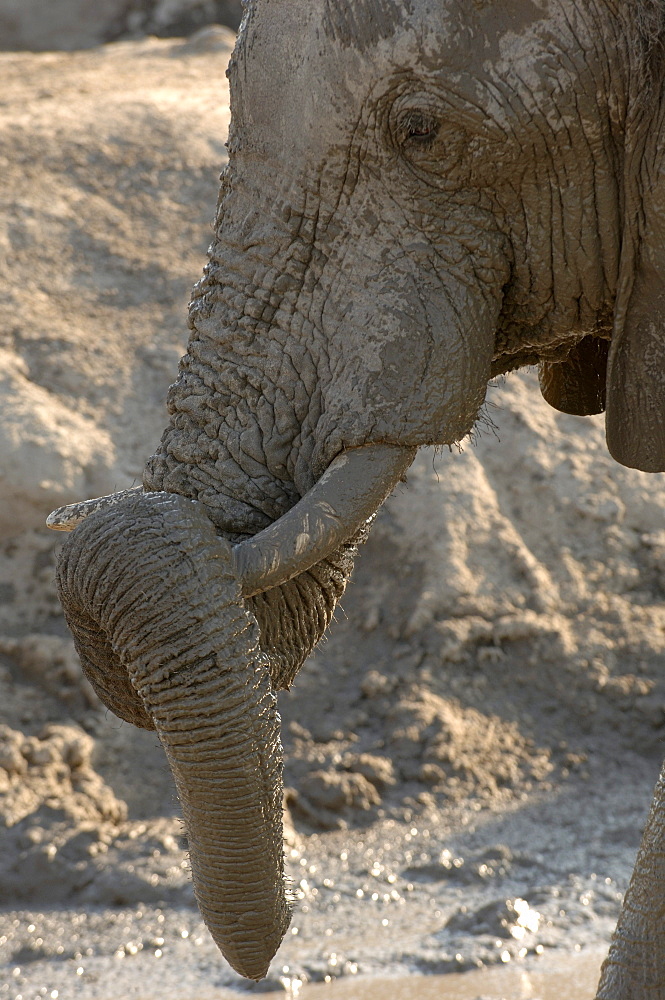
{"points": [[376, 684], [335, 791], [378, 770], [431, 774], [299, 731]]}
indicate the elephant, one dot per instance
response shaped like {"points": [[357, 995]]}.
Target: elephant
{"points": [[420, 195]]}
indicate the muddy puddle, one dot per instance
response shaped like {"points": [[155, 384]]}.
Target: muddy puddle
{"points": [[566, 977], [573, 978]]}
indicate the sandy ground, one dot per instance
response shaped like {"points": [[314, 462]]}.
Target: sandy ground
{"points": [[471, 753], [44, 25]]}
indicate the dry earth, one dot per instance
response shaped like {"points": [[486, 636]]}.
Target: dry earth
{"points": [[470, 755], [40, 25]]}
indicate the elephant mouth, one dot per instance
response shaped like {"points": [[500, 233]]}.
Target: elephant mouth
{"points": [[161, 613]]}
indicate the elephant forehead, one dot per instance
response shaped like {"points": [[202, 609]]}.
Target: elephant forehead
{"points": [[366, 23], [362, 25], [305, 67], [299, 29]]}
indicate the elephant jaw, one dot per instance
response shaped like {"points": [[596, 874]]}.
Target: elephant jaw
{"points": [[346, 496]]}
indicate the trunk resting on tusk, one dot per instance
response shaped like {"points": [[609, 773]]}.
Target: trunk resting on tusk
{"points": [[349, 492]]}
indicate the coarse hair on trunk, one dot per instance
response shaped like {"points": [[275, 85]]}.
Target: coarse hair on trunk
{"points": [[644, 22], [650, 17]]}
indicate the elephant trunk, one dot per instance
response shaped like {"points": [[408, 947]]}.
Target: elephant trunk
{"points": [[155, 599], [158, 619]]}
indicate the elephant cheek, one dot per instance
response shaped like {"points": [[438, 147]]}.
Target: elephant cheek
{"points": [[420, 373], [152, 579]]}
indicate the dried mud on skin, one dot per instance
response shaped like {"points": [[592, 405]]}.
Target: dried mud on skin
{"points": [[470, 753]]}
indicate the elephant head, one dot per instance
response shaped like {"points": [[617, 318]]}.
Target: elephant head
{"points": [[420, 194]]}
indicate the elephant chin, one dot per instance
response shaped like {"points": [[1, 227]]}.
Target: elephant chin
{"points": [[155, 608]]}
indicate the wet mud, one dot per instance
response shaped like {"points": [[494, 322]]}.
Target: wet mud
{"points": [[546, 979]]}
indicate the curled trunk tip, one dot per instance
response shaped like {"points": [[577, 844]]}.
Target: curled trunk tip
{"points": [[71, 515]]}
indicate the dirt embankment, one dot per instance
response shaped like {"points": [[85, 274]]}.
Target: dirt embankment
{"points": [[79, 24], [468, 757]]}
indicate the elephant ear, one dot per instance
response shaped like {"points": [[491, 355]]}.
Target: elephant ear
{"points": [[636, 373], [636, 369], [577, 385]]}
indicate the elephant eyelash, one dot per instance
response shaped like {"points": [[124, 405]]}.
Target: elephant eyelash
{"points": [[417, 128]]}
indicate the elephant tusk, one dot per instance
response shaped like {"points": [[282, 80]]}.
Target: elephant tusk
{"points": [[67, 518], [347, 495]]}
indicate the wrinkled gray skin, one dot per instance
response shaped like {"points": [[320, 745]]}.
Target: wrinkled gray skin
{"points": [[420, 194]]}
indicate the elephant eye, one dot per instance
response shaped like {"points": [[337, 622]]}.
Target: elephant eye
{"points": [[416, 128]]}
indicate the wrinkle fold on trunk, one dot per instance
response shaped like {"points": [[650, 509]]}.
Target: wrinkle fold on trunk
{"points": [[157, 616]]}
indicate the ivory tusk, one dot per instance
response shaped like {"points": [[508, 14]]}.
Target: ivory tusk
{"points": [[352, 488]]}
